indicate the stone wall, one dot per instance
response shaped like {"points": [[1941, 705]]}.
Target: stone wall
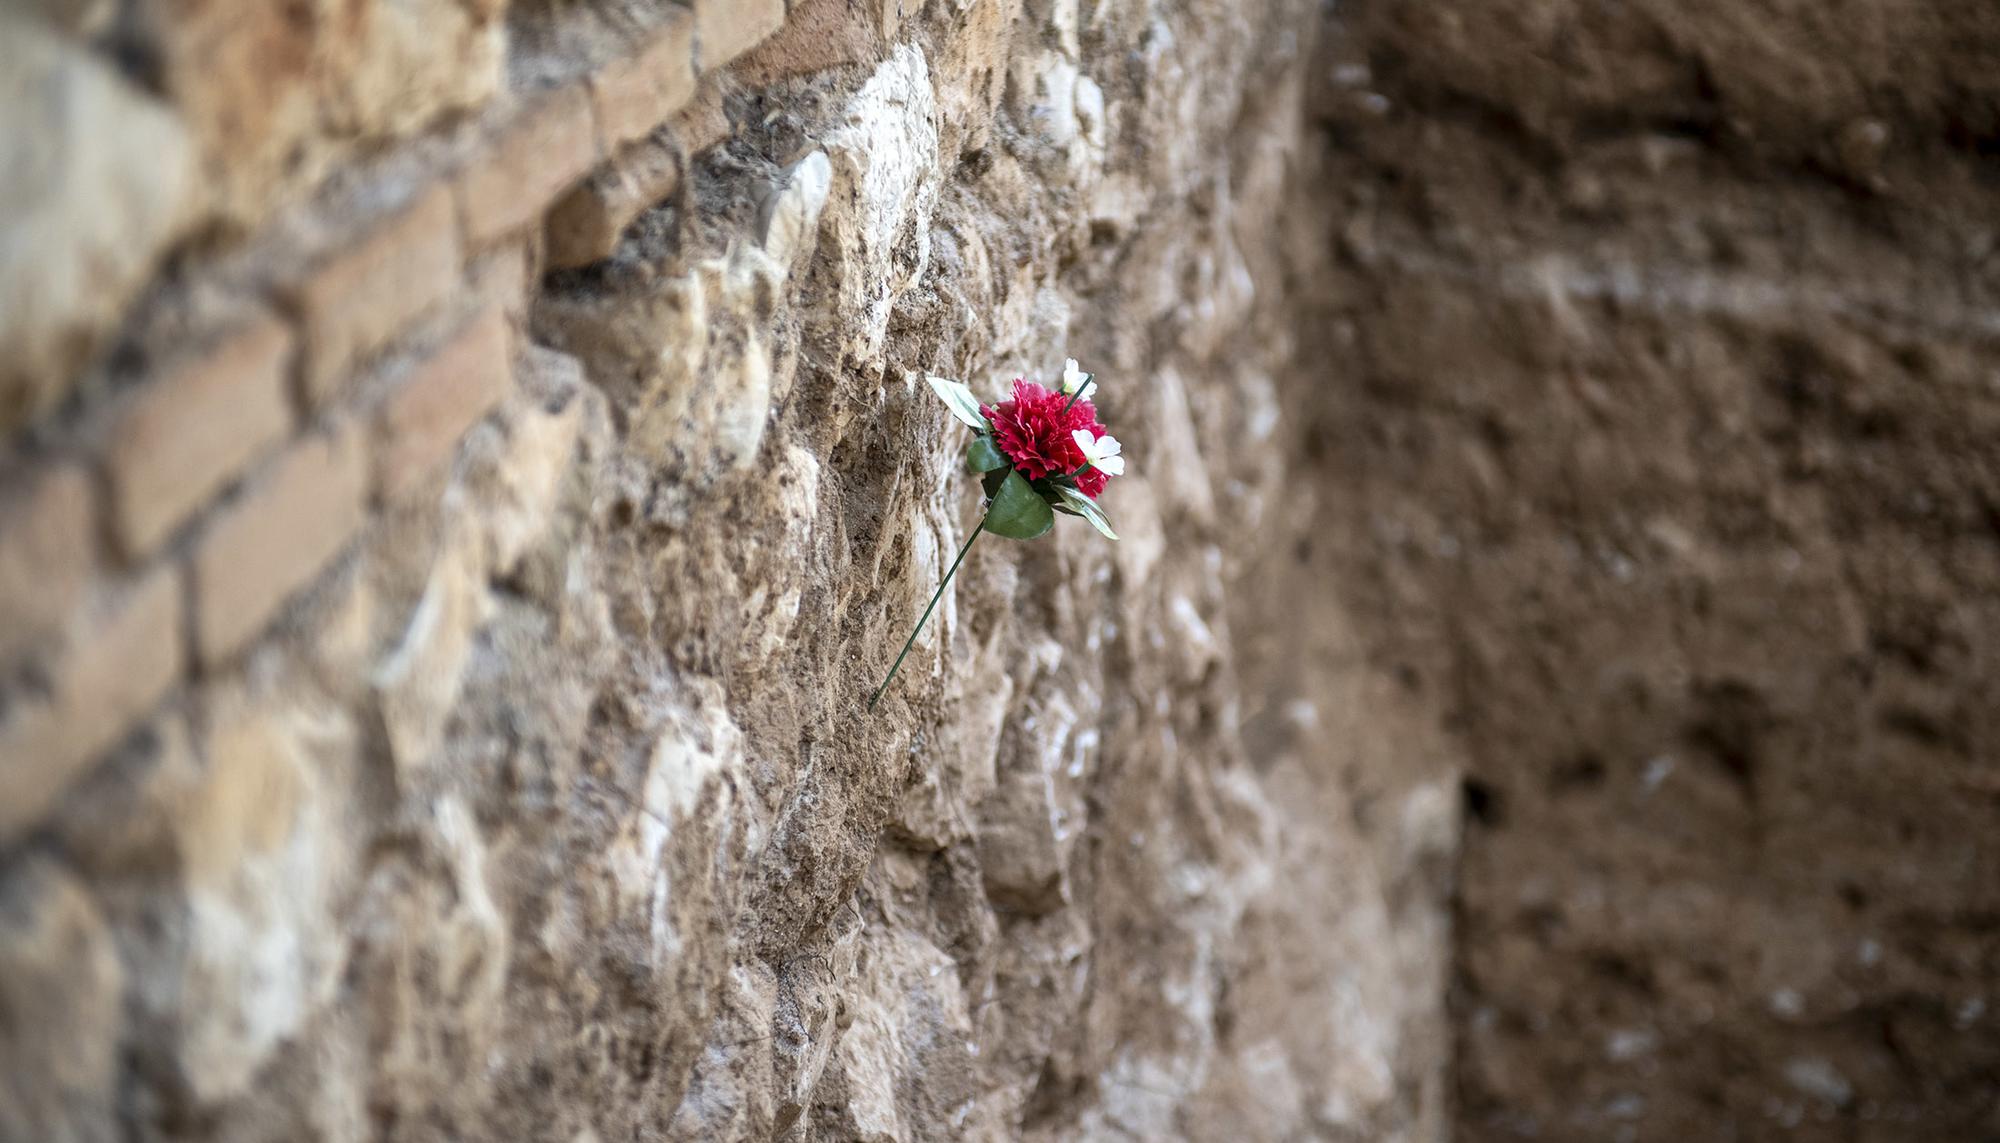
{"points": [[1659, 464], [466, 468]]}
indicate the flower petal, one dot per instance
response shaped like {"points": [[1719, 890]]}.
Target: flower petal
{"points": [[1110, 465], [1085, 441], [1108, 446]]}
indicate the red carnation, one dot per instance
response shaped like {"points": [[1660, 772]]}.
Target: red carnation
{"points": [[1036, 435], [1034, 432]]}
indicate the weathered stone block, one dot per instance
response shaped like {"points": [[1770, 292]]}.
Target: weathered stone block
{"points": [[47, 553], [790, 219], [420, 680], [114, 671], [360, 299], [420, 423], [194, 430], [271, 543], [267, 840], [99, 181], [725, 29], [541, 152], [637, 93], [520, 480], [61, 988]]}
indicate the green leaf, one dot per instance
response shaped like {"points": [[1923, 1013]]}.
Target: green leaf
{"points": [[982, 455], [1018, 511], [1088, 509], [959, 400]]}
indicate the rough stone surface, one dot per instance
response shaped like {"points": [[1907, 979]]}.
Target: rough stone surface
{"points": [[554, 810], [1658, 448], [61, 992]]}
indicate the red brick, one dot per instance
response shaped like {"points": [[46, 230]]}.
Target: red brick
{"points": [[703, 124], [585, 226], [273, 541], [48, 552], [114, 672], [818, 35], [538, 156], [357, 301], [419, 425], [195, 430], [637, 93], [725, 29]]}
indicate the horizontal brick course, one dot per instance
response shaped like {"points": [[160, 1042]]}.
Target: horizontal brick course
{"points": [[535, 158], [194, 430], [725, 29], [637, 93], [114, 672], [263, 548], [48, 552], [419, 425], [360, 298]]}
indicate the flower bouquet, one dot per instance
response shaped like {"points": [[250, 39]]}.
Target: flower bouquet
{"points": [[1039, 453]]}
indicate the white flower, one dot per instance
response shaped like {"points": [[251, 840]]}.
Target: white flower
{"points": [[1074, 379], [1101, 452]]}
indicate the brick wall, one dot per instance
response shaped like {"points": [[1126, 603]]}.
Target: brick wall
{"points": [[155, 527], [438, 609]]}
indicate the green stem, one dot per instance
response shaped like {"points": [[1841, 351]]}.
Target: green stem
{"points": [[935, 596], [1074, 398]]}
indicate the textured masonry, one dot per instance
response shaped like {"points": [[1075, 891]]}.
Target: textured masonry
{"points": [[118, 667], [50, 525], [434, 632], [421, 421], [194, 430], [364, 295], [221, 414]]}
